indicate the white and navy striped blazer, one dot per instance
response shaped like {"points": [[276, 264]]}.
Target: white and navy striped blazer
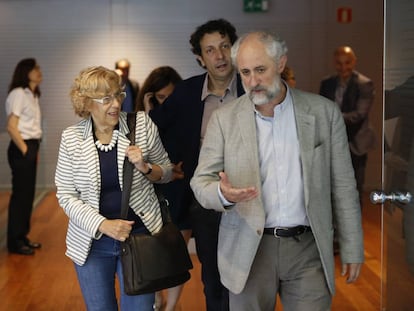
{"points": [[78, 181]]}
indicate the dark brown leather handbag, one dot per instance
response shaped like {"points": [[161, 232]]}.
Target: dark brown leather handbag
{"points": [[152, 262]]}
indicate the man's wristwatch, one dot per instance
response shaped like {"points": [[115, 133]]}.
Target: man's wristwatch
{"points": [[149, 169]]}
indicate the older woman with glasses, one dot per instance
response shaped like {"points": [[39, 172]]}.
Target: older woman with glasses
{"points": [[89, 185]]}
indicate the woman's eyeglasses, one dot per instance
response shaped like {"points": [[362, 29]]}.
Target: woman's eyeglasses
{"points": [[120, 97]]}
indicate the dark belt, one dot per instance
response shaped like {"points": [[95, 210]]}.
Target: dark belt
{"points": [[284, 232]]}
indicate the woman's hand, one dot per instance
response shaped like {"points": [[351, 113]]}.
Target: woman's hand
{"points": [[178, 172], [148, 105], [134, 154], [118, 229]]}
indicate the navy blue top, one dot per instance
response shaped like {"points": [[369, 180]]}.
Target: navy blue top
{"points": [[111, 195]]}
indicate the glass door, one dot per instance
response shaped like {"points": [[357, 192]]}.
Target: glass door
{"points": [[398, 165]]}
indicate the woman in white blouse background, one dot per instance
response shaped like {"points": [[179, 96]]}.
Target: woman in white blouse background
{"points": [[24, 128]]}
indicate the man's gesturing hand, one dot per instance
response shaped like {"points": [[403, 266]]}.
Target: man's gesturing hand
{"points": [[235, 195]]}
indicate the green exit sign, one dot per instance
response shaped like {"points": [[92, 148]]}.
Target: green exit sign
{"points": [[256, 5]]}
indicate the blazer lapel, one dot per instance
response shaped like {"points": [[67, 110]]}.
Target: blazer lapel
{"points": [[91, 156], [305, 124], [123, 143], [247, 126], [351, 94]]}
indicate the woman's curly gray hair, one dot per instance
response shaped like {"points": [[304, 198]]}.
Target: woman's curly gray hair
{"points": [[93, 82]]}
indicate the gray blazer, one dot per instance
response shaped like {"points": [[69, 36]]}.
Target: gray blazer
{"points": [[330, 191]]}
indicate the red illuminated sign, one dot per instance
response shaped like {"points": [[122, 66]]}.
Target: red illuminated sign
{"points": [[344, 15]]}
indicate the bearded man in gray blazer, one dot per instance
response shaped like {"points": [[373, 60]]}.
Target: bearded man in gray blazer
{"points": [[276, 162]]}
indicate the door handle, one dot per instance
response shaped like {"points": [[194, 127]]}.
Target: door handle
{"points": [[379, 197]]}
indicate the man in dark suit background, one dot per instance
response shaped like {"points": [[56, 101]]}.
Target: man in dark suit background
{"points": [[183, 119], [131, 86], [354, 93]]}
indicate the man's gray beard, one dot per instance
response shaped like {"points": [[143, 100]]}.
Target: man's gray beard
{"points": [[266, 98]]}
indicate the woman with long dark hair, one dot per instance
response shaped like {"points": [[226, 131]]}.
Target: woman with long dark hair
{"points": [[24, 128], [159, 84]]}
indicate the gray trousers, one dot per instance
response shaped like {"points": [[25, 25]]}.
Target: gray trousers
{"points": [[288, 267]]}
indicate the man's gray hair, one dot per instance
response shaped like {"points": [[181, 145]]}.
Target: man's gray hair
{"points": [[275, 47]]}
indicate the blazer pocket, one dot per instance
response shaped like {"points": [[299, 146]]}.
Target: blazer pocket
{"points": [[319, 153], [317, 145], [320, 167]]}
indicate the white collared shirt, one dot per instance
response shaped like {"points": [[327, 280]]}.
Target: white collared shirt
{"points": [[280, 167]]}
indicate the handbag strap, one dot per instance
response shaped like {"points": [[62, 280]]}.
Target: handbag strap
{"points": [[127, 178], [128, 168]]}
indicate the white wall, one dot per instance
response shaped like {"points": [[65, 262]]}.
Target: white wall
{"points": [[66, 36], [400, 43]]}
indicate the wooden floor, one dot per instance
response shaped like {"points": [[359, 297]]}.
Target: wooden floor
{"points": [[47, 281]]}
